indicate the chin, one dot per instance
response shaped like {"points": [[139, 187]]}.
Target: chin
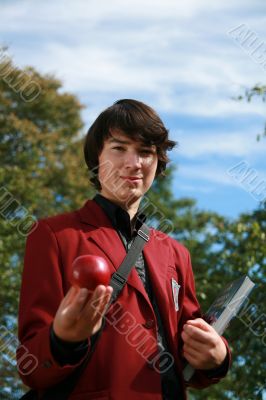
{"points": [[129, 195]]}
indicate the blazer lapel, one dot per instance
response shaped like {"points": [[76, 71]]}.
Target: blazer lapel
{"points": [[108, 240], [156, 254], [157, 257]]}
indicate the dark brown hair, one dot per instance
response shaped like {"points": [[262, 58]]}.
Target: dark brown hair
{"points": [[136, 120]]}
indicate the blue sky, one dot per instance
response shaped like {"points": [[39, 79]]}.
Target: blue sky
{"points": [[182, 58]]}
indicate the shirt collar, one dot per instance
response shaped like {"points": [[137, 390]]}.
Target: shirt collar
{"points": [[119, 217]]}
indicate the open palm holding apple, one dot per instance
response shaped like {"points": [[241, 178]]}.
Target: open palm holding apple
{"points": [[81, 311]]}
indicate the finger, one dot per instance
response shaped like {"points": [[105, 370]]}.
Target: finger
{"points": [[193, 358], [103, 307], [107, 295], [198, 352], [196, 334], [100, 301], [193, 344], [190, 351], [200, 323], [196, 347], [90, 309], [100, 306], [204, 359], [100, 295], [78, 302], [70, 295]]}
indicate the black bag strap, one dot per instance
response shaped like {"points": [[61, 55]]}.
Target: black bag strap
{"points": [[118, 281], [119, 278]]}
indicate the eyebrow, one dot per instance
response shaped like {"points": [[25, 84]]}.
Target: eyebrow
{"points": [[116, 140]]}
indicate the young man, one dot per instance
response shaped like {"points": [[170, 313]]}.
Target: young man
{"points": [[155, 325]]}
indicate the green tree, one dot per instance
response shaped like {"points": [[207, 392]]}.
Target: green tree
{"points": [[258, 92], [41, 173], [240, 248], [242, 251]]}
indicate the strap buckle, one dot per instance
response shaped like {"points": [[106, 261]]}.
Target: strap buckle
{"points": [[143, 235], [118, 279]]}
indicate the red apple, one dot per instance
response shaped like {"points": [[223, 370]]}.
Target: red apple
{"points": [[89, 271]]}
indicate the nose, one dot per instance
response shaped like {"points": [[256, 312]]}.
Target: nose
{"points": [[132, 160]]}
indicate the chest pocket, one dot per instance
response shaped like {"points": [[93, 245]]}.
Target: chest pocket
{"points": [[173, 288]]}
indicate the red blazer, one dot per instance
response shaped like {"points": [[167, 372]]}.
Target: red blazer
{"points": [[123, 365]]}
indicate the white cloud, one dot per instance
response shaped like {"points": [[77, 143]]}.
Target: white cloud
{"points": [[230, 144], [168, 86], [176, 55], [206, 172], [57, 12], [205, 176]]}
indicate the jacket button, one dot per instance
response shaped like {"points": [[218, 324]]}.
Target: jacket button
{"points": [[47, 364], [150, 365], [149, 324]]}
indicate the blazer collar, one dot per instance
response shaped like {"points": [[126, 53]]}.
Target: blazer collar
{"points": [[156, 251], [92, 214]]}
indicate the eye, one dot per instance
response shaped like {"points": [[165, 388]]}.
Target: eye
{"points": [[119, 148], [146, 151]]}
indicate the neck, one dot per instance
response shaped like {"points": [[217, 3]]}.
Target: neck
{"points": [[131, 208]]}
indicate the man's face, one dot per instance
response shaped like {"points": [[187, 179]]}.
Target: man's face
{"points": [[126, 168]]}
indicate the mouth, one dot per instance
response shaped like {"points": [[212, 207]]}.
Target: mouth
{"points": [[132, 178]]}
